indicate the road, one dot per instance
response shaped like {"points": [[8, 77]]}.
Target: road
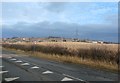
{"points": [[18, 67]]}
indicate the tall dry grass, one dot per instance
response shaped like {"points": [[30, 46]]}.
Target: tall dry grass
{"points": [[97, 52]]}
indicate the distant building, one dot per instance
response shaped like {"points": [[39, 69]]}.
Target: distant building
{"points": [[48, 39], [101, 42], [94, 42]]}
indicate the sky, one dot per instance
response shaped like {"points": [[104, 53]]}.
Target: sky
{"points": [[92, 20]]}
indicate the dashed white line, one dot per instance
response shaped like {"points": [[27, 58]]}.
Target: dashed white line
{"points": [[47, 72], [13, 59], [66, 79], [34, 67], [1, 72], [11, 79], [19, 61], [1, 66], [0, 56], [25, 64], [73, 77], [9, 57]]}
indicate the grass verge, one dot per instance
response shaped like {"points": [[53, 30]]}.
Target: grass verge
{"points": [[71, 59]]}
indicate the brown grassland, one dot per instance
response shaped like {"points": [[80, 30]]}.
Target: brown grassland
{"points": [[102, 56]]}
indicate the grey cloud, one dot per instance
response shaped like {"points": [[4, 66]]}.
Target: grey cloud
{"points": [[56, 7], [113, 19], [45, 29]]}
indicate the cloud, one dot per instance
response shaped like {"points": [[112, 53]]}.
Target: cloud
{"points": [[56, 7], [82, 13], [113, 19], [93, 20], [61, 29]]}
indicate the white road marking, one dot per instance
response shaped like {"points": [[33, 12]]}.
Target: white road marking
{"points": [[25, 64], [19, 61], [13, 59], [47, 72], [15, 55], [11, 79], [35, 67], [1, 72], [1, 66], [73, 77], [9, 57], [66, 79]]}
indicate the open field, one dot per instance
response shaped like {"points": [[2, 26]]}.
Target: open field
{"points": [[99, 55]]}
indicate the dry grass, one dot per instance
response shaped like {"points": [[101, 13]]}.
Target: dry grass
{"points": [[96, 55], [77, 45]]}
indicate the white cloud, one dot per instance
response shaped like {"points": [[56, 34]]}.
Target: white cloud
{"points": [[83, 13]]}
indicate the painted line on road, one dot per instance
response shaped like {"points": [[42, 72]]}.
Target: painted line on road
{"points": [[73, 77], [15, 55], [13, 59], [66, 79], [25, 64], [34, 67], [1, 72], [47, 72], [11, 79], [9, 57], [1, 66], [19, 61]]}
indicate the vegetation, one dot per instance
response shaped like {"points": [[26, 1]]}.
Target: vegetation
{"points": [[99, 53]]}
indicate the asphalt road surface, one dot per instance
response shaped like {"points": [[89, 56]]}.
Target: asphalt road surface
{"points": [[17, 67]]}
